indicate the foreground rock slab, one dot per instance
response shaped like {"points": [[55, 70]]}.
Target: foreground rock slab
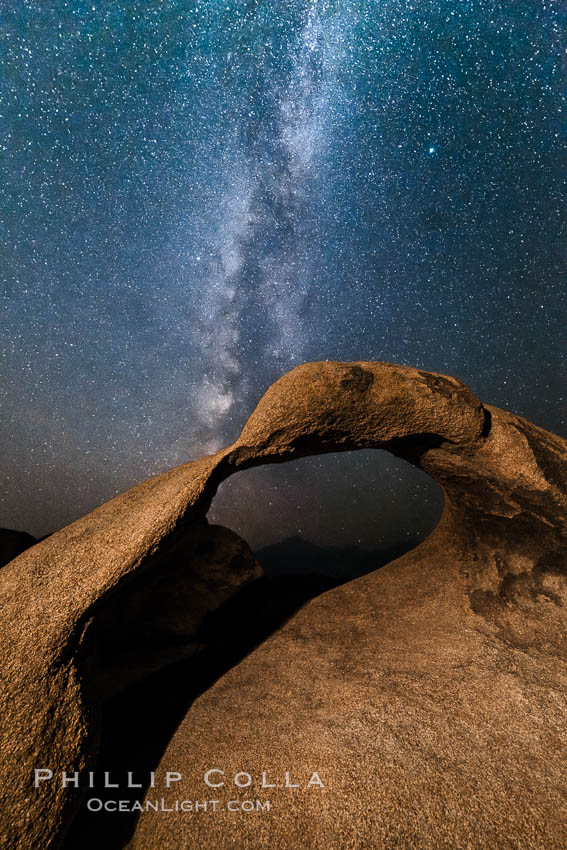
{"points": [[429, 697]]}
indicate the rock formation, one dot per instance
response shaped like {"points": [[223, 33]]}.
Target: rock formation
{"points": [[428, 696], [67, 645]]}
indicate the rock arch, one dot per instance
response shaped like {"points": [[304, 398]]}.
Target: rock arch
{"points": [[493, 566]]}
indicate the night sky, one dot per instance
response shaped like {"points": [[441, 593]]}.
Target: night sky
{"points": [[197, 196]]}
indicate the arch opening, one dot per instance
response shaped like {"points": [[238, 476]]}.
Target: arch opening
{"points": [[340, 514]]}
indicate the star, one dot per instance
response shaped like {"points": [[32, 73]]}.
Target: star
{"points": [[197, 197]]}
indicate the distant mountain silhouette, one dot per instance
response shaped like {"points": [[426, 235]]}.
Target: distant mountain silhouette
{"points": [[13, 543], [296, 556]]}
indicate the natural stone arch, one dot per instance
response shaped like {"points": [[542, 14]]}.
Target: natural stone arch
{"points": [[501, 538]]}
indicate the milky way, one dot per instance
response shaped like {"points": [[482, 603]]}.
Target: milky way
{"points": [[198, 196]]}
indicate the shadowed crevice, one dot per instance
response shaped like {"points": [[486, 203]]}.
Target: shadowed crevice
{"points": [[139, 722]]}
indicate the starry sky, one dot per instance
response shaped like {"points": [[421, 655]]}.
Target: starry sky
{"points": [[198, 195]]}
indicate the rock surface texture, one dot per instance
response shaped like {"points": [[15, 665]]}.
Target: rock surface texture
{"points": [[429, 696]]}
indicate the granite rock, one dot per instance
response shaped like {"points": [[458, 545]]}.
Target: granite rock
{"points": [[429, 696]]}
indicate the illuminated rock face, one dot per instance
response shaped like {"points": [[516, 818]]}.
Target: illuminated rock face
{"points": [[429, 696]]}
